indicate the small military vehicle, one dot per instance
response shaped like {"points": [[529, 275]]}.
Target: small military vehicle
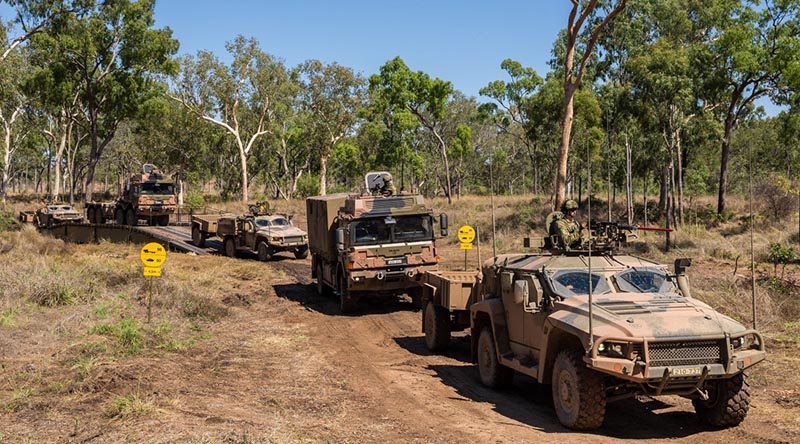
{"points": [[375, 244], [260, 232], [149, 195], [642, 334], [52, 214]]}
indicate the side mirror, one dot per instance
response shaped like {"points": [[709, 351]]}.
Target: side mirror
{"points": [[681, 265], [443, 224], [340, 239]]}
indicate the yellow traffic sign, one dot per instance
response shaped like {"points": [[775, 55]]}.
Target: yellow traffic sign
{"points": [[153, 255], [466, 235], [465, 246], [152, 271]]}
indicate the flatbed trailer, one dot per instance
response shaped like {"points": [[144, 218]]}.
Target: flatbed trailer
{"points": [[446, 300]]}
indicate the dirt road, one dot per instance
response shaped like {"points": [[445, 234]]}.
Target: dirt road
{"points": [[429, 398]]}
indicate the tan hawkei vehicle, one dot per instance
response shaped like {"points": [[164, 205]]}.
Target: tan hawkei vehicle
{"points": [[646, 335], [53, 214]]}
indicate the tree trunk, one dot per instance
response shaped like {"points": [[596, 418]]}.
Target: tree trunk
{"points": [[628, 181], [662, 192], [566, 134], [723, 165], [243, 166], [679, 161], [323, 175], [62, 143]]}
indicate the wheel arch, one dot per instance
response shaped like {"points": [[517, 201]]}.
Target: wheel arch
{"points": [[558, 339], [489, 313]]}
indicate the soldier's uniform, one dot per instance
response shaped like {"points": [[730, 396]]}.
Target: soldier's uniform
{"points": [[569, 231], [388, 188]]}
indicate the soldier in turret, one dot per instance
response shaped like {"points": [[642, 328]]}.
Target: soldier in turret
{"points": [[388, 188], [567, 230]]}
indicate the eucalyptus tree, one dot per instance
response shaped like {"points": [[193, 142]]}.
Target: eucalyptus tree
{"points": [[512, 108], [751, 51], [240, 98], [13, 106], [110, 55], [332, 94], [401, 90], [31, 17], [581, 14]]}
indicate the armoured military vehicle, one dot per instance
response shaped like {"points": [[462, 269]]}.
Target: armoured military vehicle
{"points": [[52, 214], [149, 195], [260, 232], [376, 244], [642, 334]]}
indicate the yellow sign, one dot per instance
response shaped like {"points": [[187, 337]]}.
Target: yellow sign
{"points": [[153, 256], [152, 272], [466, 235], [465, 246]]}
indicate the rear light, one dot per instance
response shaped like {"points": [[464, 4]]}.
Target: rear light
{"points": [[438, 258], [350, 265]]}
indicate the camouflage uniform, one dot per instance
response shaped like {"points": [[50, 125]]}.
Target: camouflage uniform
{"points": [[388, 188], [569, 231]]}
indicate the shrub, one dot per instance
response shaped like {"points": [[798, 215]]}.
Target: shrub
{"points": [[308, 185], [774, 191], [7, 221], [780, 255], [195, 201]]}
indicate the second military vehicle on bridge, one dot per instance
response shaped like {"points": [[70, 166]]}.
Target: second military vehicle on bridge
{"points": [[375, 244], [149, 195]]}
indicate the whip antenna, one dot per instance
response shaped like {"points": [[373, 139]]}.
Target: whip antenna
{"points": [[589, 211], [491, 191], [752, 250]]}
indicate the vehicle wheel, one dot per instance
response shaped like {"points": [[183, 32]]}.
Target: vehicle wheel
{"points": [[230, 247], [347, 303], [493, 374], [197, 237], [301, 252], [98, 217], [321, 288], [119, 216], [50, 222], [90, 216], [437, 327], [264, 251], [727, 404], [579, 396], [130, 217]]}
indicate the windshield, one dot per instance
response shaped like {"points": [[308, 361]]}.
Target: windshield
{"points": [[575, 282], [391, 229], [645, 280], [276, 222], [157, 188]]}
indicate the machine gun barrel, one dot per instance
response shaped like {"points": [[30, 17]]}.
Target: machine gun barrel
{"points": [[661, 229]]}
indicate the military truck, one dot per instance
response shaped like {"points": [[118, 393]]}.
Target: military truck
{"points": [[643, 334], [52, 214], [260, 232], [375, 244], [149, 195]]}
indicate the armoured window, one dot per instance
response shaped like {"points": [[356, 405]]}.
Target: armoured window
{"points": [[576, 282], [264, 222], [157, 188], [370, 231], [412, 228], [645, 280]]}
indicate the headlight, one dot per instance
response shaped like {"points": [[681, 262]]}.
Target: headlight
{"points": [[613, 349], [276, 239], [744, 342]]}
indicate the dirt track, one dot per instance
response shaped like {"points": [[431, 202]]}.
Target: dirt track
{"points": [[430, 398]]}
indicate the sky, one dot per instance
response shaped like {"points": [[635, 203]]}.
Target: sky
{"points": [[459, 41]]}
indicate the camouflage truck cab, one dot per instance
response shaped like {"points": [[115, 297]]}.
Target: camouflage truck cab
{"points": [[149, 195], [371, 245]]}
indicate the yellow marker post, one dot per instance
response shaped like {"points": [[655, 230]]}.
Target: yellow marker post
{"points": [[153, 256], [466, 234]]}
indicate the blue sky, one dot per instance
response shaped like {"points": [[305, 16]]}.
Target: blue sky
{"points": [[460, 41]]}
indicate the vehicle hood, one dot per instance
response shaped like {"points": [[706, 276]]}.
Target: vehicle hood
{"points": [[649, 315], [284, 231]]}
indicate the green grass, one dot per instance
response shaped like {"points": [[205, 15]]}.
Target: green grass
{"points": [[125, 331], [129, 405], [18, 399], [8, 318]]}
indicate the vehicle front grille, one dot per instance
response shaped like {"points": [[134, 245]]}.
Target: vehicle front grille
{"points": [[292, 239], [669, 354]]}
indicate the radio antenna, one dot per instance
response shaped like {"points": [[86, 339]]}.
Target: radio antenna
{"points": [[589, 211], [752, 249], [491, 191]]}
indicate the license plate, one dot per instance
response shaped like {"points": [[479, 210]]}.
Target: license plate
{"points": [[687, 371], [396, 261]]}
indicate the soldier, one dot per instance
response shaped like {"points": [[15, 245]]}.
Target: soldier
{"points": [[566, 228], [388, 188]]}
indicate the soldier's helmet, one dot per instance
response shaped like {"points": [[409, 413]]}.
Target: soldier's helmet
{"points": [[569, 205], [387, 178]]}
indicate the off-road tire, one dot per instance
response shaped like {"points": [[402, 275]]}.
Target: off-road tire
{"points": [[90, 215], [119, 216], [198, 239], [321, 287], [728, 403], [493, 374], [579, 396], [230, 247], [265, 252], [347, 303], [130, 218], [98, 217], [437, 327], [301, 252]]}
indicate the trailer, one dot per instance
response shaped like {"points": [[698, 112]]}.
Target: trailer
{"points": [[446, 300]]}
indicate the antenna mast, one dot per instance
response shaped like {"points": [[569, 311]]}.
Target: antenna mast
{"points": [[491, 188], [589, 193], [752, 250]]}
